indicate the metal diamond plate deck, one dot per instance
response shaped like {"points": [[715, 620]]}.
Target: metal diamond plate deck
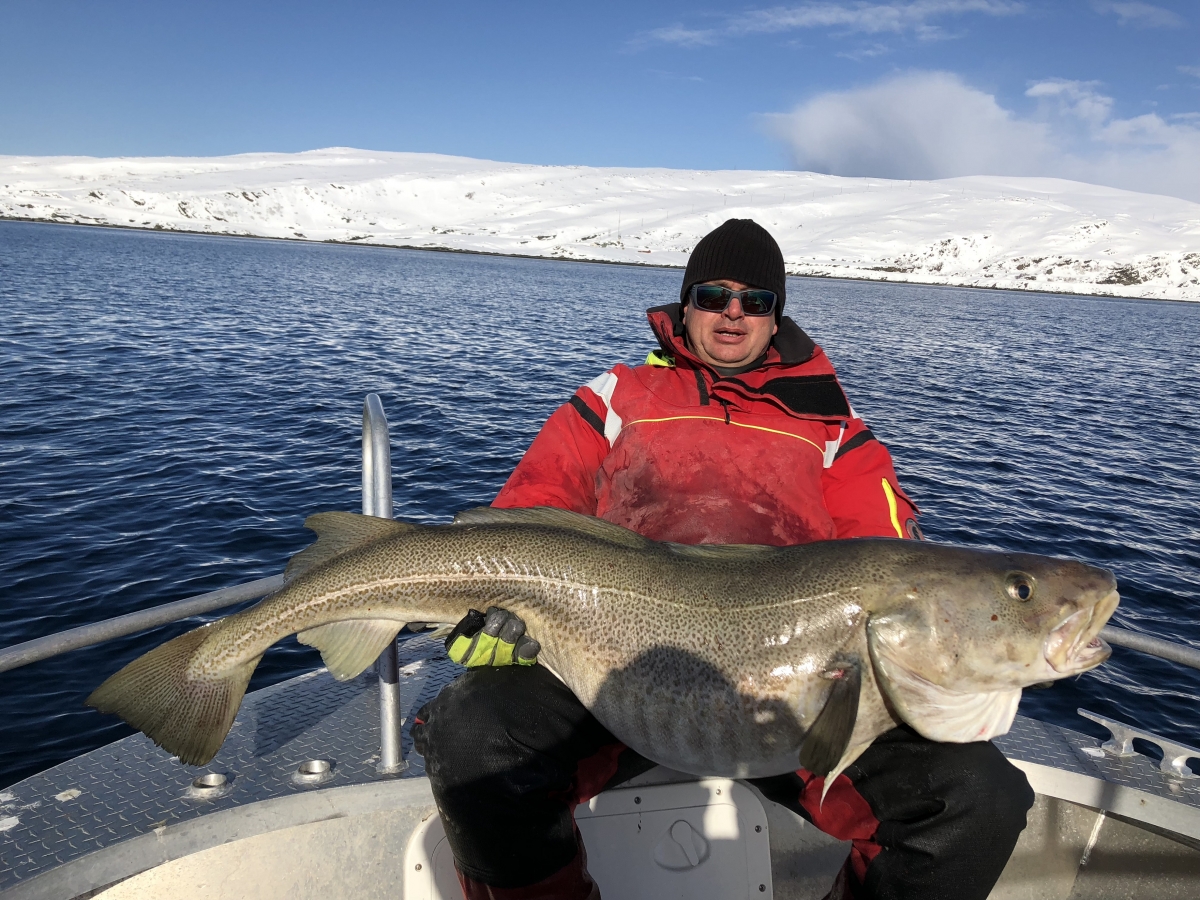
{"points": [[131, 787], [1061, 748]]}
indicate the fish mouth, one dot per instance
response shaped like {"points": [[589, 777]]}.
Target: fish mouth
{"points": [[1075, 644]]}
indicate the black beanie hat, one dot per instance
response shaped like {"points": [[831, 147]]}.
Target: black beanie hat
{"points": [[740, 250]]}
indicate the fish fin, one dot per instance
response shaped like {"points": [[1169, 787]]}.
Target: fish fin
{"points": [[848, 758], [185, 715], [349, 647], [337, 533], [720, 551], [440, 633], [558, 518], [938, 713], [829, 737]]}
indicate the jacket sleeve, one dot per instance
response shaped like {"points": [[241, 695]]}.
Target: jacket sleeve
{"points": [[861, 490], [559, 468]]}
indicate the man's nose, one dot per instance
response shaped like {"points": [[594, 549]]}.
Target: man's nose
{"points": [[734, 309]]}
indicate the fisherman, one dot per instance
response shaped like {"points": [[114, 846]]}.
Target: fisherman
{"points": [[735, 431]]}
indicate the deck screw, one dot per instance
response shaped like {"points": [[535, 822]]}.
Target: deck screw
{"points": [[762, 887], [418, 867], [758, 828], [637, 799]]}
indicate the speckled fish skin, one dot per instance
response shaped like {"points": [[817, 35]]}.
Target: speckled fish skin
{"points": [[714, 661]]}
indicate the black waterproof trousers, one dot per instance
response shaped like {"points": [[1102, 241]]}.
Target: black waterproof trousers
{"points": [[511, 751]]}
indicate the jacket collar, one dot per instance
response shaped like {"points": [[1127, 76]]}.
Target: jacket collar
{"points": [[789, 347]]}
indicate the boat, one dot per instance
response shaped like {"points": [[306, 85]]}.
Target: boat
{"points": [[317, 793]]}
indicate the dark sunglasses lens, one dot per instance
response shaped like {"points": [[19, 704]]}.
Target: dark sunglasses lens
{"points": [[758, 303], [710, 297]]}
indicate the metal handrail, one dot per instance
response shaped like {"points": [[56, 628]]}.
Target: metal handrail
{"points": [[1152, 646], [377, 501], [97, 633]]}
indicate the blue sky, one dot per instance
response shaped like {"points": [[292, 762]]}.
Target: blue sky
{"points": [[1105, 91]]}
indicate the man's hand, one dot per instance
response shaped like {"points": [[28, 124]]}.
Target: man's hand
{"points": [[497, 639]]}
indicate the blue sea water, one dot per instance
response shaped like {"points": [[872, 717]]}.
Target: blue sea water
{"points": [[172, 407]]}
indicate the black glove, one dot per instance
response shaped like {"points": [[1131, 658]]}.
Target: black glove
{"points": [[497, 639]]}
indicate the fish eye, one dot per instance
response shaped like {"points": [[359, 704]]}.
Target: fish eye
{"points": [[1019, 586]]}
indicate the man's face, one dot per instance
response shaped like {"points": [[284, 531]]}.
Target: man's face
{"points": [[728, 339]]}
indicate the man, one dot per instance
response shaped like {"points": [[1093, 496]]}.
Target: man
{"points": [[735, 431]]}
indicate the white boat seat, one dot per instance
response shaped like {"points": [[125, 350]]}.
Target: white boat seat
{"points": [[690, 840]]}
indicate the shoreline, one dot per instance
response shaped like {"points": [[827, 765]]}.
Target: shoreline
{"points": [[594, 262]]}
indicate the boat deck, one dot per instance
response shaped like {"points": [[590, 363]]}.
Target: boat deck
{"points": [[130, 789]]}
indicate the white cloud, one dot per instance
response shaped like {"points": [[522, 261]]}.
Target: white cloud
{"points": [[1145, 152], [918, 125], [915, 16], [678, 34], [934, 125], [867, 52], [1140, 15], [872, 18], [1190, 70], [1073, 101]]}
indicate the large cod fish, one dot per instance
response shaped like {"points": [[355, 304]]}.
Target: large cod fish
{"points": [[738, 661]]}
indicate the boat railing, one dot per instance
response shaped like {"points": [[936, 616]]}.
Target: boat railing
{"points": [[377, 501]]}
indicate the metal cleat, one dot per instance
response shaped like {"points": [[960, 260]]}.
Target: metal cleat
{"points": [[1175, 756]]}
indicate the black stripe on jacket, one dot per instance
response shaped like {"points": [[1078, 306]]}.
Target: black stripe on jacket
{"points": [[854, 443], [806, 395], [588, 414]]}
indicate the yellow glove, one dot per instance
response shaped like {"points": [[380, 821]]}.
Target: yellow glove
{"points": [[497, 639]]}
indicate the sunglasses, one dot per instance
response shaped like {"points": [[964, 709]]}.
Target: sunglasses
{"points": [[715, 299]]}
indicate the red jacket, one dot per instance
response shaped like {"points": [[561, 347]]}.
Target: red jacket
{"points": [[675, 451]]}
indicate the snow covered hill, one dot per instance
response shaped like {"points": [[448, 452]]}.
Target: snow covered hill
{"points": [[1019, 233]]}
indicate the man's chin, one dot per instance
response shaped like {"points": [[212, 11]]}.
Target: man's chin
{"points": [[731, 354]]}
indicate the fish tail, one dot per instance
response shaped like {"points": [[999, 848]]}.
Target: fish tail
{"points": [[185, 714]]}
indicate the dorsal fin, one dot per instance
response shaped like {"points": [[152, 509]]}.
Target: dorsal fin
{"points": [[556, 518], [720, 551], [337, 533]]}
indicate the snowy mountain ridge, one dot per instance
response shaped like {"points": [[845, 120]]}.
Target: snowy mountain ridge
{"points": [[981, 231]]}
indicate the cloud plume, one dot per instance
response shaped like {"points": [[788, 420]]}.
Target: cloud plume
{"points": [[934, 125], [1140, 15], [915, 17]]}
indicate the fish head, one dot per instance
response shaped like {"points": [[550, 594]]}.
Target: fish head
{"points": [[966, 625]]}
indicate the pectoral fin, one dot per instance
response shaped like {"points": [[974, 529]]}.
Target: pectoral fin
{"points": [[348, 647], [829, 737]]}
